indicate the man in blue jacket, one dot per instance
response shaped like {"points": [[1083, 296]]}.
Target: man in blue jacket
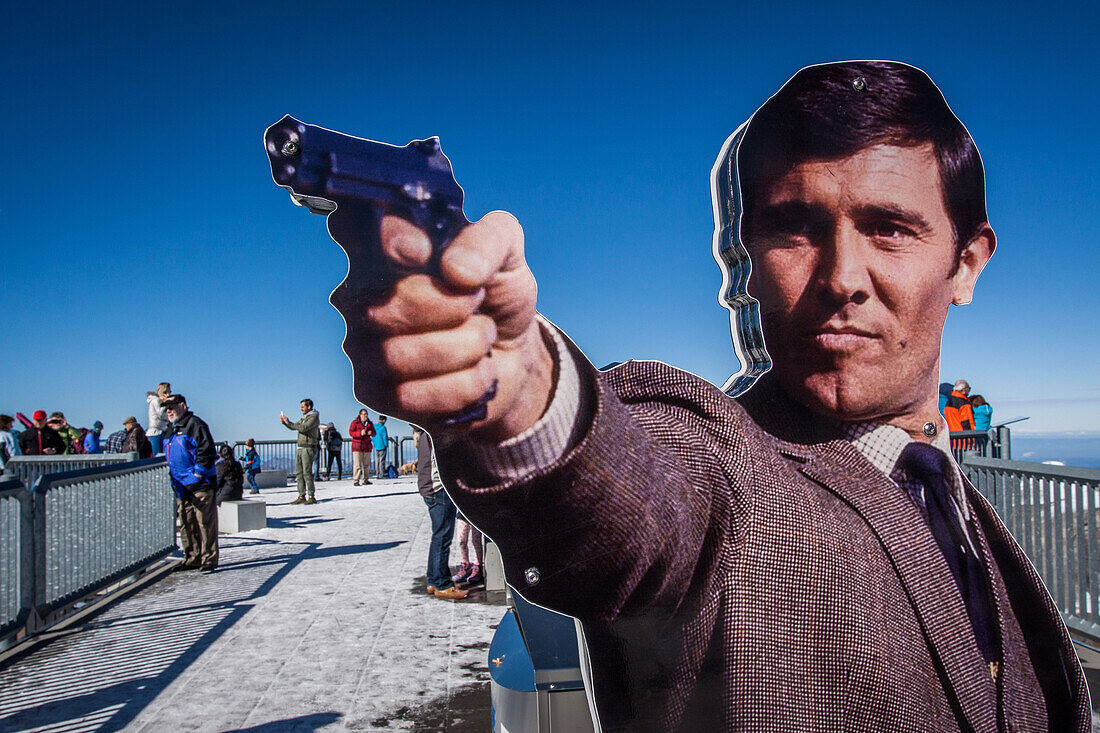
{"points": [[191, 457]]}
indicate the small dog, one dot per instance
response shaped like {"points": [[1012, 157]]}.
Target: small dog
{"points": [[407, 469]]}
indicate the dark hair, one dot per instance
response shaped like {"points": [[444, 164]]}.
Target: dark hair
{"points": [[307, 401], [835, 110], [224, 450], [251, 443], [6, 420], [977, 400]]}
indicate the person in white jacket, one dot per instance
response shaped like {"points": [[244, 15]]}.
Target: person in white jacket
{"points": [[158, 420]]}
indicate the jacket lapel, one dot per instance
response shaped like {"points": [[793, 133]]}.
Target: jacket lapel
{"points": [[921, 568]]}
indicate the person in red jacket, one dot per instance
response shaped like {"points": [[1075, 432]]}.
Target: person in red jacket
{"points": [[361, 431]]}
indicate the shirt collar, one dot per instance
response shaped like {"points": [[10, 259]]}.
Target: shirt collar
{"points": [[882, 445]]}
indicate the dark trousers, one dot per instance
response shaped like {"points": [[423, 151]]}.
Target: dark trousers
{"points": [[334, 455], [442, 512], [199, 527]]}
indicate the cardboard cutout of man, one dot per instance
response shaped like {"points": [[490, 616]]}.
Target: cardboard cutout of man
{"points": [[805, 556]]}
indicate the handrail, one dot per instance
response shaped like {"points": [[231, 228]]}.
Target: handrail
{"points": [[1052, 512], [30, 468]]}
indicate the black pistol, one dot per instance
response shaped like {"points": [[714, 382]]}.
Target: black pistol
{"points": [[356, 182]]}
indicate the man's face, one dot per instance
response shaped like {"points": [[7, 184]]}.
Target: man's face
{"points": [[305, 407], [853, 264], [175, 412]]}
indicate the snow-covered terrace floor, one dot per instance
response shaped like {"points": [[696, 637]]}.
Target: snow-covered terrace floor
{"points": [[319, 622]]}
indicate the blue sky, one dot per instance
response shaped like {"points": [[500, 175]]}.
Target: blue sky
{"points": [[143, 239]]}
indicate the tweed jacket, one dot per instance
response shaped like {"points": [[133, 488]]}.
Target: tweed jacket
{"points": [[737, 566]]}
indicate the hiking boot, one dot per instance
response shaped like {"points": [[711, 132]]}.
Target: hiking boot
{"points": [[299, 500], [463, 573], [310, 500], [451, 594]]}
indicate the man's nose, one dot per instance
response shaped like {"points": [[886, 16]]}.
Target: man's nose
{"points": [[843, 274]]}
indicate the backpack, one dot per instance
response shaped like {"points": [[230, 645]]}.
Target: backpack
{"points": [[391, 471]]}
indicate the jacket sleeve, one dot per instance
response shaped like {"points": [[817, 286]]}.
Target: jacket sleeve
{"points": [[308, 425], [966, 416], [205, 455], [636, 514]]}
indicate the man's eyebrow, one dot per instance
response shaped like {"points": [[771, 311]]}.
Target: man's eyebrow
{"points": [[774, 216], [891, 212]]}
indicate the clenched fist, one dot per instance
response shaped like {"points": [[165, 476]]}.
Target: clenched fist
{"points": [[430, 341]]}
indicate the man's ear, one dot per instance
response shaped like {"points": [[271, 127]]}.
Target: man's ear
{"points": [[972, 259]]}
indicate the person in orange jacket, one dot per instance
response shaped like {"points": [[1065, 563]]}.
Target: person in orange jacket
{"points": [[959, 412]]}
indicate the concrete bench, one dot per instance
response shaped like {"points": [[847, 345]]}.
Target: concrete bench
{"points": [[242, 516], [270, 480]]}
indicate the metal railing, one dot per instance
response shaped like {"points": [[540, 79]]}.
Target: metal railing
{"points": [[1052, 511], [95, 525], [281, 454], [16, 554], [76, 533], [993, 443], [29, 469]]}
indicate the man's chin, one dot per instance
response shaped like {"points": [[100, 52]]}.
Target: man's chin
{"points": [[834, 397]]}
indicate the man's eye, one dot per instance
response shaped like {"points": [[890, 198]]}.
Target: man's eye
{"points": [[890, 230]]}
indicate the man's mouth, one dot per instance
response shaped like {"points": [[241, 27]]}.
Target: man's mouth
{"points": [[841, 339]]}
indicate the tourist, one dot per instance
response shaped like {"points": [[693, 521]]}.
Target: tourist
{"points": [[361, 431], [136, 440], [441, 510], [251, 465], [69, 434], [158, 419], [190, 453], [230, 476], [91, 438], [309, 440], [8, 447], [334, 445], [983, 413], [40, 439], [381, 441]]}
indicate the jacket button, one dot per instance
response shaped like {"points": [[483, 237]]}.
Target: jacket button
{"points": [[532, 575]]}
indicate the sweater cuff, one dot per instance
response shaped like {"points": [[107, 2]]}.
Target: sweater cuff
{"points": [[547, 440]]}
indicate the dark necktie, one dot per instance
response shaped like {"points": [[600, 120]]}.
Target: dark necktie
{"points": [[931, 468]]}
